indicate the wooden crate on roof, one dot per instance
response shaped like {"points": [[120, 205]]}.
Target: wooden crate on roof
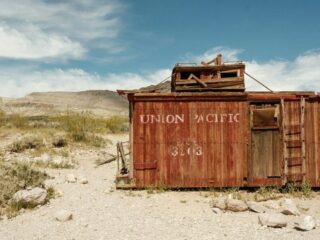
{"points": [[211, 76]]}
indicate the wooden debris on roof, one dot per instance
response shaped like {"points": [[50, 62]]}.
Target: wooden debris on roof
{"points": [[209, 76]]}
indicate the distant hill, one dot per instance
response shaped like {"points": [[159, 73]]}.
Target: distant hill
{"points": [[100, 102]]}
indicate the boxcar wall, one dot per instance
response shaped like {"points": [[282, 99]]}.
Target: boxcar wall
{"points": [[222, 140], [189, 142]]}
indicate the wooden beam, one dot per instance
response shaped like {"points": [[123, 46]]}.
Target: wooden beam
{"points": [[198, 80], [208, 80]]}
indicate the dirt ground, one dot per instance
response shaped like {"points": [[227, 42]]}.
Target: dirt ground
{"points": [[102, 212]]}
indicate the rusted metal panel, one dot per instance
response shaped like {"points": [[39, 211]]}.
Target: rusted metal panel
{"points": [[194, 143]]}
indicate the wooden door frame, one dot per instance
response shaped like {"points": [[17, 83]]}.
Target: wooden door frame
{"points": [[250, 181]]}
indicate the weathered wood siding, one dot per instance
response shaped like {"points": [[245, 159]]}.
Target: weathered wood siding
{"points": [[190, 143], [312, 129]]}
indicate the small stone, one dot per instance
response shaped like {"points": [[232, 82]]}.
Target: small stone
{"points": [[83, 180], [63, 216], [256, 207], [36, 196], [45, 157], [216, 210], [220, 203], [289, 207], [71, 178], [236, 205], [58, 160], [305, 223], [58, 193], [274, 220]]}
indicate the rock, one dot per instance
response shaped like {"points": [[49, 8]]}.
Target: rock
{"points": [[36, 196], [216, 210], [83, 180], [275, 220], [220, 203], [45, 157], [235, 205], [256, 207], [289, 208], [71, 178], [58, 160], [63, 215], [305, 223]]}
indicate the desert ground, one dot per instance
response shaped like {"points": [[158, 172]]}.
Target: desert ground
{"points": [[100, 211]]}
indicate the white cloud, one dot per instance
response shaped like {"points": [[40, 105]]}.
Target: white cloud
{"points": [[228, 54], [36, 29], [32, 43], [19, 82], [301, 74]]}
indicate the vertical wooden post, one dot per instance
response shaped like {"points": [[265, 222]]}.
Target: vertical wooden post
{"points": [[303, 146], [118, 167], [285, 157]]}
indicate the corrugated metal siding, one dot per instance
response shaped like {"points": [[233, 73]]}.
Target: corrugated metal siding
{"points": [[184, 144], [312, 127]]}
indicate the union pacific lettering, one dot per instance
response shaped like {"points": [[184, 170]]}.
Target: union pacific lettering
{"points": [[180, 118]]}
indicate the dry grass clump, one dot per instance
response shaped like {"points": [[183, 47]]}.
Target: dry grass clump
{"points": [[29, 141], [61, 164], [2, 118], [117, 124], [15, 176], [59, 141], [85, 127]]}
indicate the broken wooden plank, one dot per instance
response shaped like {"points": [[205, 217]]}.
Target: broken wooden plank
{"points": [[98, 163], [198, 80]]}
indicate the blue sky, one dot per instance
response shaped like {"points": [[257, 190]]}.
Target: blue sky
{"points": [[109, 44]]}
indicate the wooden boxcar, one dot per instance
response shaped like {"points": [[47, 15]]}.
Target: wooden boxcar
{"points": [[222, 139]]}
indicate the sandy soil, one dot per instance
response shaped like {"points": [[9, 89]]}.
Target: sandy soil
{"points": [[101, 212]]}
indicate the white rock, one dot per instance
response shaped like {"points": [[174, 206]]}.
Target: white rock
{"points": [[58, 160], [236, 205], [83, 180], [305, 223], [216, 210], [45, 157], [36, 196], [275, 220], [289, 207], [71, 178], [220, 203], [256, 207], [63, 215]]}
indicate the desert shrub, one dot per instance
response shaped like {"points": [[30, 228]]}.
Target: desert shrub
{"points": [[96, 141], [78, 125], [2, 117], [59, 141], [267, 193], [15, 176], [27, 142], [17, 121], [117, 124]]}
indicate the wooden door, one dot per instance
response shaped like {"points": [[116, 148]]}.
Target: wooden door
{"points": [[266, 145]]}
